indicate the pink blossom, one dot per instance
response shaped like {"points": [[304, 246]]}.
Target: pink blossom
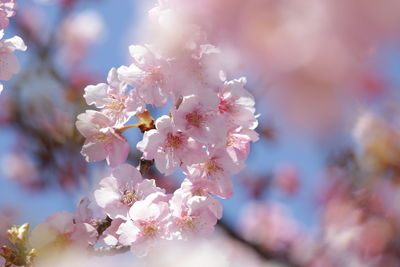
{"points": [[102, 140], [171, 32], [6, 10], [374, 237], [196, 117], [78, 33], [269, 225], [237, 103], [193, 215], [238, 143], [197, 187], [218, 168], [169, 147], [147, 225], [287, 179], [199, 68], [83, 213], [121, 189], [19, 167], [207, 134], [113, 100], [209, 65], [64, 229], [200, 188], [9, 64], [147, 75]]}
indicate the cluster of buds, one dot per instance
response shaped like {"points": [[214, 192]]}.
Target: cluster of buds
{"points": [[20, 254]]}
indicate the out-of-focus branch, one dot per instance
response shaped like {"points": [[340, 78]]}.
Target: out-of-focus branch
{"points": [[262, 252]]}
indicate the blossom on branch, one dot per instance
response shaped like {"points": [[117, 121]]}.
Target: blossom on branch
{"points": [[102, 140]]}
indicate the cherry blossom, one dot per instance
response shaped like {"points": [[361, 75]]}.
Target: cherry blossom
{"points": [[195, 117], [193, 215], [119, 191], [218, 168], [287, 179], [112, 98], [199, 66], [270, 225], [147, 75], [6, 10], [147, 225], [238, 142], [169, 147], [78, 32], [102, 140], [20, 168], [207, 133], [9, 64], [63, 229], [237, 103]]}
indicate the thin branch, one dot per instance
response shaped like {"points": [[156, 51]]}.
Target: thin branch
{"points": [[264, 253], [103, 225], [145, 165]]}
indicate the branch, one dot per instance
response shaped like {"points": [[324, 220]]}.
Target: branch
{"points": [[145, 165], [103, 225], [264, 253]]}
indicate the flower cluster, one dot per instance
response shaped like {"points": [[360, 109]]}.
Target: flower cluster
{"points": [[63, 229], [206, 134], [8, 61]]}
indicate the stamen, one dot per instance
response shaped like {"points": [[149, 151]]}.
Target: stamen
{"points": [[188, 222], [116, 105], [128, 197], [173, 141], [194, 119], [212, 167], [102, 137]]}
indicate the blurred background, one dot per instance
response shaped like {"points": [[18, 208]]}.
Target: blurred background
{"points": [[321, 186]]}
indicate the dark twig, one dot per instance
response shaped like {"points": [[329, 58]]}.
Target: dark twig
{"points": [[264, 253], [145, 165], [103, 225]]}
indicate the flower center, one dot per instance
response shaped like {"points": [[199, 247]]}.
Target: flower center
{"points": [[149, 229], [212, 167], [195, 119], [200, 192], [102, 137], [229, 141], [128, 197], [188, 222], [116, 105], [173, 141], [225, 106]]}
